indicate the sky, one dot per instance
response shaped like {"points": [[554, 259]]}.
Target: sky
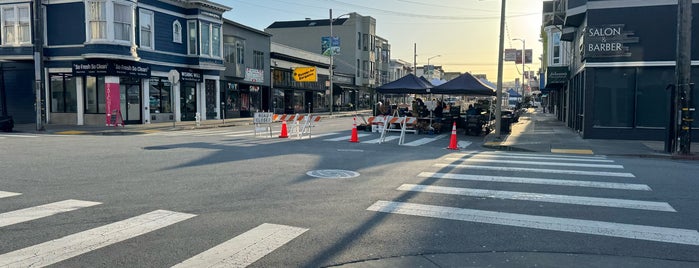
{"points": [[464, 33]]}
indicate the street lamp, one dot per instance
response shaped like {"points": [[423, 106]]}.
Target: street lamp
{"points": [[430, 66], [332, 53], [523, 61]]}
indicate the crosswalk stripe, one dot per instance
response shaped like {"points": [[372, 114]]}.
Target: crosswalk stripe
{"points": [[503, 156], [222, 132], [540, 170], [33, 213], [4, 194], [314, 135], [54, 251], [641, 232], [558, 156], [539, 163], [17, 136], [539, 197], [246, 248], [424, 141], [591, 184], [251, 133], [347, 138], [387, 138]]}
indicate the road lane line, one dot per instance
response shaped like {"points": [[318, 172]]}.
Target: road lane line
{"points": [[612, 229], [466, 153], [541, 170], [539, 163], [347, 138], [246, 248], [503, 156], [387, 138], [424, 141], [7, 194], [54, 251], [33, 213], [539, 197], [575, 183], [18, 136]]}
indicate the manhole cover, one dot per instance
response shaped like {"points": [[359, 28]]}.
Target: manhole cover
{"points": [[332, 174]]}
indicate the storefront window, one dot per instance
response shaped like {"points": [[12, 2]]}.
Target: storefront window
{"points": [[63, 94], [160, 90], [651, 97], [94, 95], [278, 101], [299, 101], [614, 97]]}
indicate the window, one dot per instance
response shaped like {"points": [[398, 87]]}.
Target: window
{"points": [[16, 25], [145, 20], [192, 37], [240, 52], [216, 41], [94, 95], [63, 94], [97, 19], [205, 38], [614, 97], [365, 41], [556, 48], [122, 22], [259, 59], [365, 70], [177, 32], [358, 68], [229, 49], [110, 20], [359, 40], [159, 90]]}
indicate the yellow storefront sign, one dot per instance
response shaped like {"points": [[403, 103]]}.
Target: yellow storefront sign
{"points": [[305, 74]]}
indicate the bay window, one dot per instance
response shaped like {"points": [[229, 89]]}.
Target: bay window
{"points": [[216, 41], [122, 22], [192, 37], [16, 25], [210, 39], [205, 38], [109, 20]]}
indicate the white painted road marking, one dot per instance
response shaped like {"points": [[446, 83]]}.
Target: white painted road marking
{"points": [[541, 170], [526, 154], [17, 136], [54, 251], [501, 156], [7, 194], [387, 138], [33, 213], [347, 138], [538, 163], [631, 231], [539, 197], [424, 140], [313, 135], [246, 248], [591, 184]]}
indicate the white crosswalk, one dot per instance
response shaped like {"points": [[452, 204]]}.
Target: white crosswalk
{"points": [[9, 136], [536, 170], [240, 251]]}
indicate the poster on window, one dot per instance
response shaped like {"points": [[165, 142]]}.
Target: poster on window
{"points": [[112, 101]]}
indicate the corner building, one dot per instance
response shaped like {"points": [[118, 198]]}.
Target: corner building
{"points": [[608, 64]]}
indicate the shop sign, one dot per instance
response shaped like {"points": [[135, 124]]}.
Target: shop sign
{"points": [[607, 40], [254, 75], [511, 54], [305, 74], [527, 56], [108, 68], [557, 75], [191, 76]]}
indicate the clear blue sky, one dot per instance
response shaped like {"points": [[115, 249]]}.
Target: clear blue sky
{"points": [[464, 32]]}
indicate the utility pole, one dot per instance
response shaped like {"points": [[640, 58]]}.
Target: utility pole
{"points": [[330, 74], [415, 58], [498, 94], [683, 72], [38, 62]]}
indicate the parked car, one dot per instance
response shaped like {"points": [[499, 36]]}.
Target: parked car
{"points": [[6, 123]]}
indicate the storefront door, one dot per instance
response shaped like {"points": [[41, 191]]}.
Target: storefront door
{"points": [[188, 101], [131, 105]]}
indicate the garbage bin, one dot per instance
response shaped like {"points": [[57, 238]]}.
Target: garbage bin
{"points": [[506, 124]]}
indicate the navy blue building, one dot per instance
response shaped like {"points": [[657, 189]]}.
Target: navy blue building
{"points": [[609, 63], [133, 43]]}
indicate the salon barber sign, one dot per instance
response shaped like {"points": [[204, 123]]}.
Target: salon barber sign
{"points": [[609, 40]]}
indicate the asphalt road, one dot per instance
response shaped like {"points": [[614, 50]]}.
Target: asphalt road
{"points": [[225, 190]]}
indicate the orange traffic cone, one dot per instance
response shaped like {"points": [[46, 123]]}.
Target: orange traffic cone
{"points": [[284, 133], [452, 143], [354, 137]]}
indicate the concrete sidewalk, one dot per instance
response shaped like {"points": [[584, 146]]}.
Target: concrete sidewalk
{"points": [[540, 132]]}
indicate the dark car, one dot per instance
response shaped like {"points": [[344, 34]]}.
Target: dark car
{"points": [[6, 123]]}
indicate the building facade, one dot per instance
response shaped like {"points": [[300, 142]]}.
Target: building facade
{"points": [[245, 84], [398, 69], [362, 53], [609, 64], [137, 62]]}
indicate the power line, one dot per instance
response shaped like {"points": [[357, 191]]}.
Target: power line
{"points": [[414, 15]]}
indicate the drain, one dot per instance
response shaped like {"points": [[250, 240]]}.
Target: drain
{"points": [[332, 174]]}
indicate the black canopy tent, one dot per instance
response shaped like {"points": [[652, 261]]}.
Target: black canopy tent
{"points": [[409, 84], [464, 84]]}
